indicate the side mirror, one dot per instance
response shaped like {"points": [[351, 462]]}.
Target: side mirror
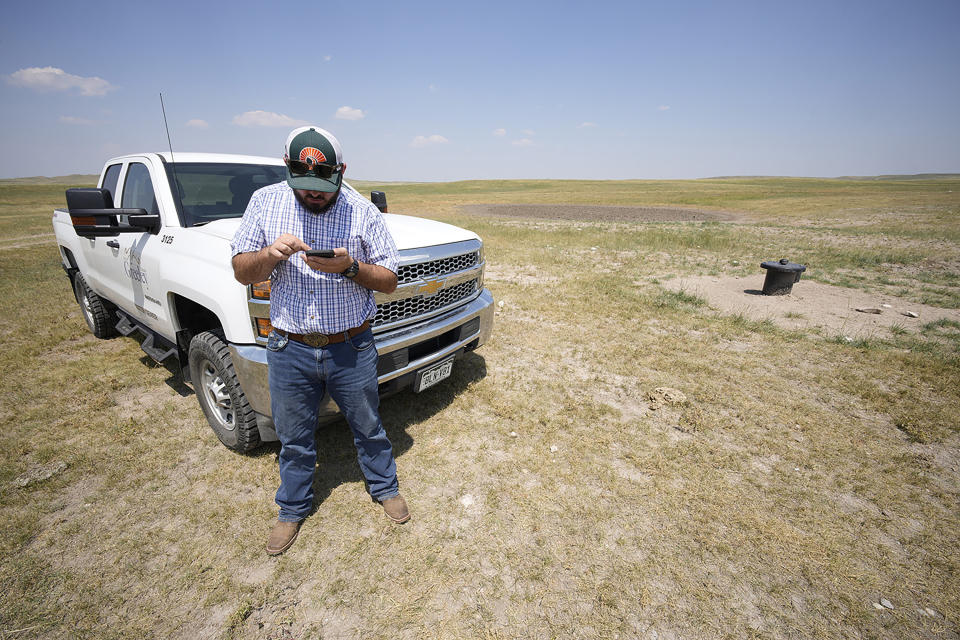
{"points": [[93, 215], [379, 198]]}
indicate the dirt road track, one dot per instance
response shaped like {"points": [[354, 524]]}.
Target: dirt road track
{"points": [[596, 213], [26, 241]]}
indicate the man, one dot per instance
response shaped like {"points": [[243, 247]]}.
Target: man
{"points": [[320, 309]]}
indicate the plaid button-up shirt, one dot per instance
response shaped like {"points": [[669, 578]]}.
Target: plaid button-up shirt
{"points": [[303, 300]]}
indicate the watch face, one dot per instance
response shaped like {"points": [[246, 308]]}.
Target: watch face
{"points": [[352, 270]]}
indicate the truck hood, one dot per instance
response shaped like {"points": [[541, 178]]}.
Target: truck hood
{"points": [[407, 231]]}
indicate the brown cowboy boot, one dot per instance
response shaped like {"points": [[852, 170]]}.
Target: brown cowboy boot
{"points": [[396, 509], [282, 536]]}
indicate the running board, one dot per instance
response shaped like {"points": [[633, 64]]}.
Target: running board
{"points": [[125, 327], [157, 353]]}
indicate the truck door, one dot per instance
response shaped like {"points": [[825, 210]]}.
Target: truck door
{"points": [[137, 280], [97, 253], [101, 253]]}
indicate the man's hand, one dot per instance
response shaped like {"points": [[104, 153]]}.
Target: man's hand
{"points": [[257, 266], [339, 263], [285, 246]]}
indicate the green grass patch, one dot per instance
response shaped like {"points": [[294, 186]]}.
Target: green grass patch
{"points": [[679, 299]]}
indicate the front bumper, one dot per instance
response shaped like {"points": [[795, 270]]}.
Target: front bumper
{"points": [[402, 353]]}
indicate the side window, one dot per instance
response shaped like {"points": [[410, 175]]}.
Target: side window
{"points": [[138, 189], [110, 180]]}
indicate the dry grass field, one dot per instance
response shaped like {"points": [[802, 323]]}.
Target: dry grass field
{"points": [[626, 458]]}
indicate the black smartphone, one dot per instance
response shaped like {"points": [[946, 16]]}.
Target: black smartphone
{"points": [[321, 253]]}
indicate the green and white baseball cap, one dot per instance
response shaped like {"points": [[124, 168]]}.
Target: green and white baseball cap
{"points": [[313, 146]]}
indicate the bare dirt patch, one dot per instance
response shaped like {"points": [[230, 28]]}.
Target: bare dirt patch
{"points": [[523, 275], [598, 213], [813, 305]]}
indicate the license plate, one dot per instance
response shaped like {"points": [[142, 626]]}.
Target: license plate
{"points": [[429, 377]]}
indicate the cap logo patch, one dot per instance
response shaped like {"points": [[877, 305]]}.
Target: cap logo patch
{"points": [[310, 155]]}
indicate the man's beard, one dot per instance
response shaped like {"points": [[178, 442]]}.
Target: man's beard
{"points": [[314, 208]]}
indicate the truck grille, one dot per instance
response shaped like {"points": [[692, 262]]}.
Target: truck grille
{"points": [[397, 310], [433, 268]]}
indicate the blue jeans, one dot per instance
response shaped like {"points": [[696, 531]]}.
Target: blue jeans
{"points": [[299, 376]]}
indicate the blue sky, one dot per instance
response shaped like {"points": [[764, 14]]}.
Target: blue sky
{"points": [[443, 91]]}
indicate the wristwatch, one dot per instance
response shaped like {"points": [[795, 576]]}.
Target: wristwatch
{"points": [[351, 271]]}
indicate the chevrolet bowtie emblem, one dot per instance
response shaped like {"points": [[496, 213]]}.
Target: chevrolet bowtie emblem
{"points": [[431, 287]]}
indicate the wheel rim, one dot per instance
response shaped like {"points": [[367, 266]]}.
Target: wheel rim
{"points": [[217, 396], [85, 306]]}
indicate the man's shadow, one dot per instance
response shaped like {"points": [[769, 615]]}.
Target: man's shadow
{"points": [[336, 454]]}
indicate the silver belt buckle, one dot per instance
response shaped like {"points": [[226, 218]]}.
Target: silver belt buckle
{"points": [[316, 340]]}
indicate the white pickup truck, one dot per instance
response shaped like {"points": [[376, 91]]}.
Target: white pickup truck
{"points": [[159, 264]]}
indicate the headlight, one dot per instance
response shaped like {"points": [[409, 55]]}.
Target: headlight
{"points": [[260, 290], [264, 327]]}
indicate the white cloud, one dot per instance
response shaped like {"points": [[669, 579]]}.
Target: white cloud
{"points": [[54, 79], [198, 124], [349, 113], [432, 88], [74, 120], [663, 107], [523, 142], [266, 119], [327, 58], [423, 141], [499, 132], [527, 132], [586, 125]]}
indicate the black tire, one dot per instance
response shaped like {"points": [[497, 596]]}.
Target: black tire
{"points": [[96, 311], [218, 391]]}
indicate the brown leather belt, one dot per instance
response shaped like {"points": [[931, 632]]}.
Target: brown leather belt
{"points": [[322, 339]]}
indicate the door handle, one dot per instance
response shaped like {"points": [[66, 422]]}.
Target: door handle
{"points": [[113, 243]]}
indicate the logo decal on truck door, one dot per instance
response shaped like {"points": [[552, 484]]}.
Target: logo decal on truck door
{"points": [[131, 266]]}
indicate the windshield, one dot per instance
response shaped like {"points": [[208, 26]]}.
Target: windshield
{"points": [[213, 191]]}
